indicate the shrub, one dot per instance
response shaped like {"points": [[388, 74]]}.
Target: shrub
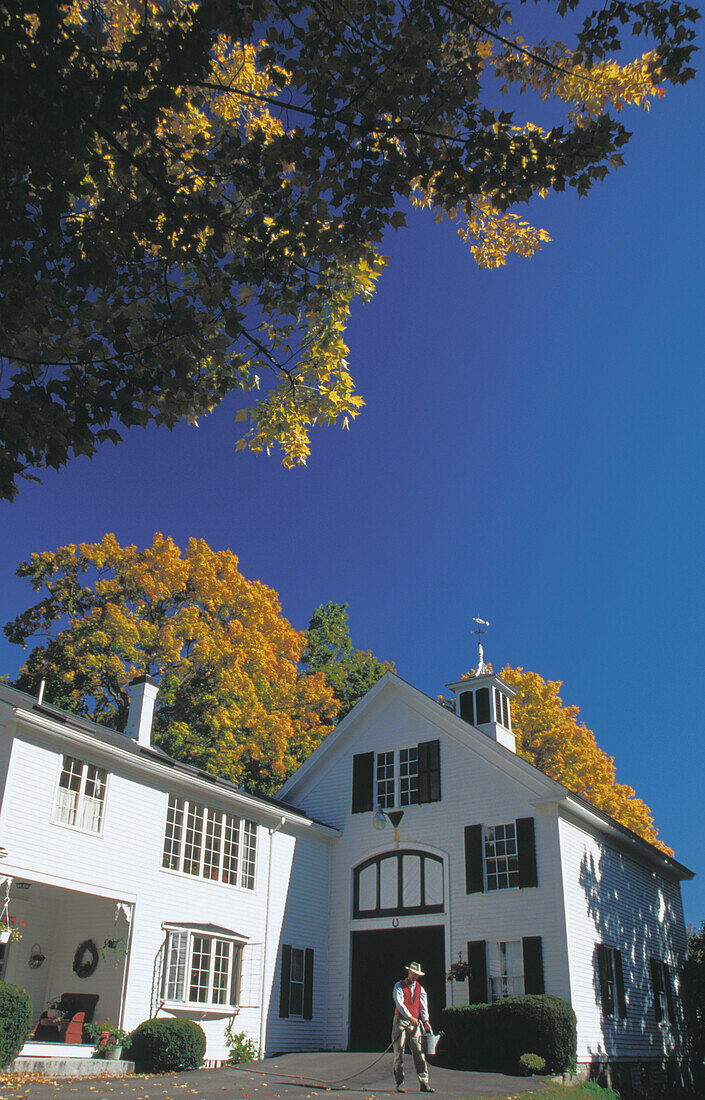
{"points": [[531, 1063], [495, 1036], [15, 1021], [241, 1047], [165, 1044]]}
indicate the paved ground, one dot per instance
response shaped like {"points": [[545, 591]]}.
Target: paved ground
{"points": [[289, 1077]]}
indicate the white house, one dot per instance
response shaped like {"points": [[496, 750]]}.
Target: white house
{"points": [[411, 832]]}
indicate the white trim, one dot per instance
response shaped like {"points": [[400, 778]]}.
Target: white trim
{"points": [[78, 887], [165, 771]]}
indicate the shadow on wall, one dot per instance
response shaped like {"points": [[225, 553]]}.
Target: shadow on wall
{"points": [[636, 920]]}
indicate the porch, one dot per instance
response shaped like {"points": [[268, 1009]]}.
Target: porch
{"points": [[72, 960]]}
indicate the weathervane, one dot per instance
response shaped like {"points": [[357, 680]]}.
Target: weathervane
{"points": [[482, 668]]}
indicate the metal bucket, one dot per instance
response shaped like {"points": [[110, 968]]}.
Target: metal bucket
{"points": [[430, 1042]]}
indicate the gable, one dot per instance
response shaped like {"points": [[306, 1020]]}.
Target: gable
{"points": [[399, 721]]}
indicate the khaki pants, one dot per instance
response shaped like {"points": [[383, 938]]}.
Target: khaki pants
{"points": [[411, 1034]]}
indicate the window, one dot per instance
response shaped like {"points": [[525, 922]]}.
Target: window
{"points": [[210, 844], [506, 967], [385, 780], [202, 966], [81, 795], [405, 777], [501, 857], [662, 987], [408, 776], [398, 882], [296, 993], [611, 976]]}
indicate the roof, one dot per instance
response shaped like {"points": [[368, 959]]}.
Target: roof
{"points": [[557, 792], [28, 704]]}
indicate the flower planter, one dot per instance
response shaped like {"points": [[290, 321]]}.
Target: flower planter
{"points": [[5, 935], [114, 1054]]}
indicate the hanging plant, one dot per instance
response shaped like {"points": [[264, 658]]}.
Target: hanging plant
{"points": [[459, 972], [114, 948], [10, 929]]}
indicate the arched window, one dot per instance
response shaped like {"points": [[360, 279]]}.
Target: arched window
{"points": [[399, 882]]}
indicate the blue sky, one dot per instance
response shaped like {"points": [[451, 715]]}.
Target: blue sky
{"points": [[531, 452]]}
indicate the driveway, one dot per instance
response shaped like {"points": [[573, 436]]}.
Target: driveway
{"points": [[289, 1077]]}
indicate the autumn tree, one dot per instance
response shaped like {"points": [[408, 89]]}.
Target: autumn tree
{"points": [[550, 736], [349, 672], [193, 192], [231, 698]]}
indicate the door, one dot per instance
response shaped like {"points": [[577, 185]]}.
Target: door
{"points": [[379, 959]]}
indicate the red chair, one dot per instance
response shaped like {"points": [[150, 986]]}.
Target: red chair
{"points": [[73, 1011]]}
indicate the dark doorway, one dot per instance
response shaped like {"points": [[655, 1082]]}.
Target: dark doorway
{"points": [[379, 959]]}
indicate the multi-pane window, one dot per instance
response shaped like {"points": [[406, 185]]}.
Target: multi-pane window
{"points": [[506, 969], [81, 795], [296, 990], [296, 982], [210, 844], [385, 780], [611, 976], [501, 857], [663, 991], [201, 969], [408, 776]]}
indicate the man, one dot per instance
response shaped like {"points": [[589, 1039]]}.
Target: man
{"points": [[410, 1021]]}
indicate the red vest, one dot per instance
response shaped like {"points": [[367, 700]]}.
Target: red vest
{"points": [[412, 1001]]}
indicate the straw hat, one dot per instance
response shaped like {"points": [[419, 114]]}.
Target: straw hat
{"points": [[415, 969]]}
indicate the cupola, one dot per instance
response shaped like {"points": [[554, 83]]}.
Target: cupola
{"points": [[483, 699]]}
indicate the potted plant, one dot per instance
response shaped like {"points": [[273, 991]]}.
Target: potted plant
{"points": [[10, 929], [110, 1040], [459, 972]]}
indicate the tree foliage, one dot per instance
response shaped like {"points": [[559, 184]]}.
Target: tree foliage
{"points": [[195, 191], [550, 736], [231, 698], [349, 672]]}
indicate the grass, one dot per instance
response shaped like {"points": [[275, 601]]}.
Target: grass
{"points": [[587, 1091]]}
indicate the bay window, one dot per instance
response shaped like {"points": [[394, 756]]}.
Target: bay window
{"points": [[202, 966]]}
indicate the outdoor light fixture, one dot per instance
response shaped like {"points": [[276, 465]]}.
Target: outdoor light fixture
{"points": [[380, 819]]}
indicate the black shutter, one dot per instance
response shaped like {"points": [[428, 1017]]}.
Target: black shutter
{"points": [[656, 986], [668, 985], [363, 782], [474, 878], [429, 756], [467, 707], [285, 976], [526, 850], [619, 976], [308, 983], [604, 966], [477, 981], [532, 949]]}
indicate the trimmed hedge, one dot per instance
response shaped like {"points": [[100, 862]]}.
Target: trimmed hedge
{"points": [[166, 1044], [15, 1021], [493, 1037]]}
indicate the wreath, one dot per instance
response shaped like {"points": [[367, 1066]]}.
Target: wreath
{"points": [[84, 966]]}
